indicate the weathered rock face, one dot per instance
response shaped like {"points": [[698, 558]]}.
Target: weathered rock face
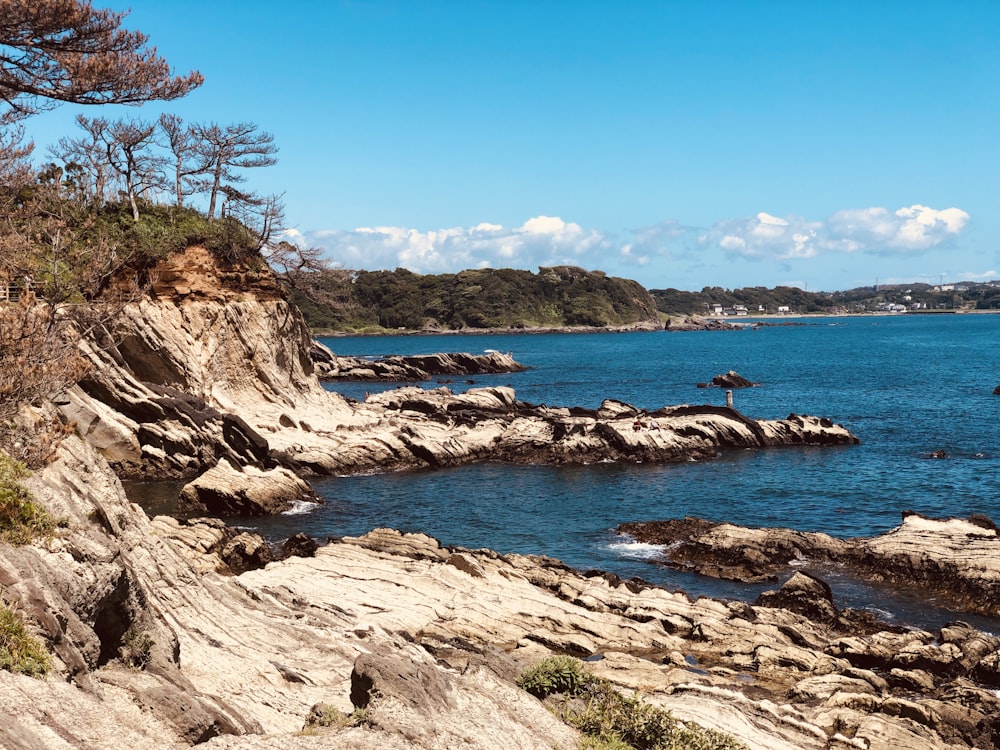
{"points": [[954, 560], [205, 377]]}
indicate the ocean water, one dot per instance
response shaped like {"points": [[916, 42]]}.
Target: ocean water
{"points": [[905, 385]]}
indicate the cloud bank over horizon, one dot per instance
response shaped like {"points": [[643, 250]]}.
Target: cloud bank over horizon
{"points": [[790, 242]]}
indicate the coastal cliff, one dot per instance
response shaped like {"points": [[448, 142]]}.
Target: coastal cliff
{"points": [[389, 640]]}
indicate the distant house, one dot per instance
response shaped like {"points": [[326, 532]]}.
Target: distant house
{"points": [[783, 309], [715, 309]]}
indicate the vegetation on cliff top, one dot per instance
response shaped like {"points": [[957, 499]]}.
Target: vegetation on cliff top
{"points": [[556, 296], [81, 233]]}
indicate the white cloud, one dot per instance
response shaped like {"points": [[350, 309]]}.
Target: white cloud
{"points": [[876, 230], [764, 236], [539, 241], [550, 240]]}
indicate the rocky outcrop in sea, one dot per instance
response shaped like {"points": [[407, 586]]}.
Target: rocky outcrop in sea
{"points": [[408, 368], [953, 561], [198, 376]]}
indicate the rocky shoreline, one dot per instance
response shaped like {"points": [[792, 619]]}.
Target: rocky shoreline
{"points": [[953, 561], [168, 634]]}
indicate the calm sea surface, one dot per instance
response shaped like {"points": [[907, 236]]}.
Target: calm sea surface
{"points": [[905, 385]]}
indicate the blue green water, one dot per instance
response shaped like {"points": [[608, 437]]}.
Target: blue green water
{"points": [[905, 385]]}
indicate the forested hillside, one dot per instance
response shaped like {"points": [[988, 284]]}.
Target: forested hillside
{"points": [[482, 298], [758, 300], [565, 296]]}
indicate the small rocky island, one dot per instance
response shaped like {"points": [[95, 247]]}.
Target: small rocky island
{"points": [[170, 633]]}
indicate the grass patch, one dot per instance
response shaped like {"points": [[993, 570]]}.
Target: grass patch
{"points": [[19, 651], [324, 717], [137, 648], [22, 520], [610, 720]]}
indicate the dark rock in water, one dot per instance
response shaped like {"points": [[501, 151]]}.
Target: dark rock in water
{"points": [[805, 594], [244, 552], [731, 379], [996, 391], [940, 453], [299, 545], [667, 532]]}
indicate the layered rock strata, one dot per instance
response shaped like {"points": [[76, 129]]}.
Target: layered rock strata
{"points": [[439, 634], [956, 561], [157, 643]]}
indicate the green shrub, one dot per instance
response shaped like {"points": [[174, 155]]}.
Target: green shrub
{"points": [[136, 648], [556, 674], [21, 519], [610, 720], [19, 652], [324, 716]]}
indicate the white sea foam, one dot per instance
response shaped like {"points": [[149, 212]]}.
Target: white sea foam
{"points": [[300, 507], [638, 550], [882, 614]]}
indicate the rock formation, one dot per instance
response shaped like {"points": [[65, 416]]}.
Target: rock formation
{"points": [[731, 379], [954, 560], [702, 324], [197, 378], [227, 490], [412, 368]]}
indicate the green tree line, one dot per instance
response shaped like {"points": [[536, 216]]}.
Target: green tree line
{"points": [[556, 296]]}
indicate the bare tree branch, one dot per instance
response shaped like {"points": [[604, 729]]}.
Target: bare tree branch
{"points": [[67, 51]]}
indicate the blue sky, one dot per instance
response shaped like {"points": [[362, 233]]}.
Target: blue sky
{"points": [[683, 144]]}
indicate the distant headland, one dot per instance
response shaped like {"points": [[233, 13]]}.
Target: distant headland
{"points": [[568, 298]]}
